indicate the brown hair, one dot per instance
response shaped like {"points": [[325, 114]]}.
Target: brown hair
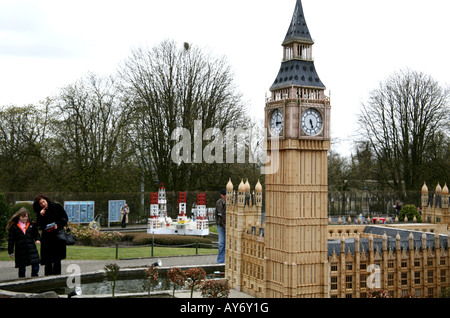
{"points": [[15, 218], [36, 205]]}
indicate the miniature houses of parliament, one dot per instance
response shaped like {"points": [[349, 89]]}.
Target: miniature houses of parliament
{"points": [[294, 252]]}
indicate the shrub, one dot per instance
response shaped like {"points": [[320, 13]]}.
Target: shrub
{"points": [[445, 293], [177, 277], [215, 288], [5, 215], [127, 237], [112, 272], [151, 278], [410, 210], [378, 293], [91, 237], [194, 277], [179, 240]]}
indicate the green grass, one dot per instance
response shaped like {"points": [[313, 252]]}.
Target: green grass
{"points": [[107, 253], [77, 252]]}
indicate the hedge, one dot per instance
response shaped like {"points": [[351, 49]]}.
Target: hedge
{"points": [[162, 239]]}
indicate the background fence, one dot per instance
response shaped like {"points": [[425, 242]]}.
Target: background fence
{"points": [[139, 202], [339, 203]]}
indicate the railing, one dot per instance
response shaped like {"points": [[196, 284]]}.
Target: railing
{"points": [[152, 246], [323, 101], [303, 58]]}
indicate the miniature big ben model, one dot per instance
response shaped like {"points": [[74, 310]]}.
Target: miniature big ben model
{"points": [[297, 115]]}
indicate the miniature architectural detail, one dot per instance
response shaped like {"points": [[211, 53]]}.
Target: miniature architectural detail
{"points": [[153, 221], [401, 259], [160, 223], [201, 219], [293, 252], [245, 239], [296, 195], [435, 208], [162, 201], [182, 207]]}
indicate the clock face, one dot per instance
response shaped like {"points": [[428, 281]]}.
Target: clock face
{"points": [[312, 122], [276, 123]]}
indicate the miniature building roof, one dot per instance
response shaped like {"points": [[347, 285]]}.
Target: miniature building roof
{"points": [[297, 73], [298, 30], [334, 246], [392, 232]]}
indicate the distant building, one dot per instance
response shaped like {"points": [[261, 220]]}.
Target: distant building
{"points": [[435, 208]]}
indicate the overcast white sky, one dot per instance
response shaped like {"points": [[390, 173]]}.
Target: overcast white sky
{"points": [[47, 44]]}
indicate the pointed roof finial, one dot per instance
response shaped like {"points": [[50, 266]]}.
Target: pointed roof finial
{"points": [[298, 30], [241, 187], [438, 189], [424, 188], [229, 185], [445, 190], [258, 187]]}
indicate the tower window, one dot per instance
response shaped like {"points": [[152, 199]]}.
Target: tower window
{"points": [[288, 53]]}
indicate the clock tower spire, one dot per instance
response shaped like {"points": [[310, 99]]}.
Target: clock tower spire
{"points": [[298, 119], [298, 28]]}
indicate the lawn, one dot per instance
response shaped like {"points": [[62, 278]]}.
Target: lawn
{"points": [[108, 253], [82, 252], [105, 253]]}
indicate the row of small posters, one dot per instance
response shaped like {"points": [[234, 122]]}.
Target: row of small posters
{"points": [[83, 211]]}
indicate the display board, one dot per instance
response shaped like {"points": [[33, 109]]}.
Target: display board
{"points": [[80, 211], [114, 210]]}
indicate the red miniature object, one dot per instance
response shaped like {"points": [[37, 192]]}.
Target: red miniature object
{"points": [[382, 220], [182, 197], [154, 198], [201, 198]]}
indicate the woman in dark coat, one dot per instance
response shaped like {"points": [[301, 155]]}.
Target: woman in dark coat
{"points": [[51, 218], [23, 235]]}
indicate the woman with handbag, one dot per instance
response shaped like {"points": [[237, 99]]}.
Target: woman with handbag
{"points": [[51, 218], [23, 235]]}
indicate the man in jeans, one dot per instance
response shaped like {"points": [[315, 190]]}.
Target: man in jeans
{"points": [[220, 216]]}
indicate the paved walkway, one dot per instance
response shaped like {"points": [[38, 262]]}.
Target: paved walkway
{"points": [[9, 274]]}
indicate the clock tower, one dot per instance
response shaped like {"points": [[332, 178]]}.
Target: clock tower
{"points": [[297, 117]]}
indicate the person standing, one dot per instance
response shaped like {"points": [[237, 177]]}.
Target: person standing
{"points": [[220, 218], [23, 235], [51, 218], [397, 207], [124, 215]]}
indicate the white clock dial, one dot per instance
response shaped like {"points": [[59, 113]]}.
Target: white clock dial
{"points": [[276, 123], [312, 122]]}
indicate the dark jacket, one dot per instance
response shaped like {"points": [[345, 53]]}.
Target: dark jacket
{"points": [[52, 249], [23, 245], [221, 214]]}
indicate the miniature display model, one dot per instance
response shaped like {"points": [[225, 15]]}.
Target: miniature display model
{"points": [[292, 252], [160, 223]]}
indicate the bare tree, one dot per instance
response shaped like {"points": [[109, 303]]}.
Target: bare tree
{"points": [[90, 134], [23, 141], [174, 87], [402, 120]]}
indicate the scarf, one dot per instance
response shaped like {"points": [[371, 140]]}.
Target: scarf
{"points": [[23, 226]]}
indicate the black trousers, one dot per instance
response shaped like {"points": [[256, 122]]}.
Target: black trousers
{"points": [[34, 270], [52, 268]]}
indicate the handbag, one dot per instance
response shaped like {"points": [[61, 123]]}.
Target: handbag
{"points": [[65, 235]]}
